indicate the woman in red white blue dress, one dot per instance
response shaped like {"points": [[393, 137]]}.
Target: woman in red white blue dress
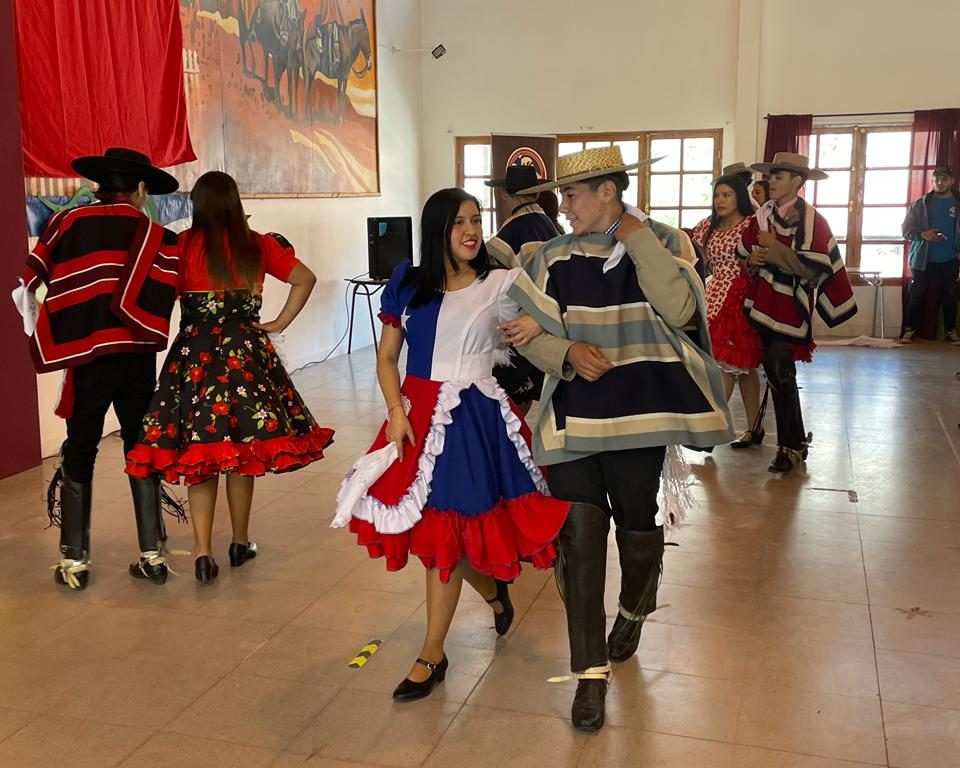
{"points": [[450, 478]]}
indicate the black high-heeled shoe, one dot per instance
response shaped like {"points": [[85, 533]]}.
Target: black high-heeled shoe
{"points": [[206, 569], [240, 553], [503, 620], [756, 433], [748, 439], [408, 690]]}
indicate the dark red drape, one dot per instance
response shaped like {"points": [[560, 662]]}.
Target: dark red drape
{"points": [[936, 141], [100, 74], [787, 133], [20, 448]]}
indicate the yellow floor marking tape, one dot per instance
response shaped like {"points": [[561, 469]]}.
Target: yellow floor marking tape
{"points": [[365, 653]]}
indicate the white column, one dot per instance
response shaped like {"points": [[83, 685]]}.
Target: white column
{"points": [[747, 116]]}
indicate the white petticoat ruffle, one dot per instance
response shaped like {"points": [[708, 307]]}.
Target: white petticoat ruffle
{"points": [[354, 499]]}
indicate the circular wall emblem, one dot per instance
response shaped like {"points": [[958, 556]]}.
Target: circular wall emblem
{"points": [[527, 156]]}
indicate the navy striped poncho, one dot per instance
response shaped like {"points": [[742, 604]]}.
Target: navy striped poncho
{"points": [[645, 310]]}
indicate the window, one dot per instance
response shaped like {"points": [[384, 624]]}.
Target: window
{"points": [[680, 191], [677, 190], [473, 169], [865, 198], [833, 153]]}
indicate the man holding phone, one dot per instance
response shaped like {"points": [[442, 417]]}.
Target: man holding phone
{"points": [[932, 226]]}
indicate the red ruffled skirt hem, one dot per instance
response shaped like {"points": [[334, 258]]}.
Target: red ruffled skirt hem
{"points": [[198, 462], [735, 342], [494, 543], [738, 344]]}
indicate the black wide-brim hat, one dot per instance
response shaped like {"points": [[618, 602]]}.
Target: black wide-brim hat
{"points": [[128, 163], [518, 177]]}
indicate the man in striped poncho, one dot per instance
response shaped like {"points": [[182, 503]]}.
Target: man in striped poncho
{"points": [[629, 372], [110, 275], [794, 262]]}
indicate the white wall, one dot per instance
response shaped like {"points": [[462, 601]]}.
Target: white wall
{"points": [[859, 55], [558, 66], [330, 234]]}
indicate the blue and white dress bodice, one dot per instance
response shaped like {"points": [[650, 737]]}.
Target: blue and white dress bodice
{"points": [[454, 336]]}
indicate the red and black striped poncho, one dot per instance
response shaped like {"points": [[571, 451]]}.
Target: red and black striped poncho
{"points": [[111, 277]]}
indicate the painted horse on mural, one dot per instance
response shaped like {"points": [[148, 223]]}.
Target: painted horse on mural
{"points": [[294, 58], [331, 49], [268, 23]]}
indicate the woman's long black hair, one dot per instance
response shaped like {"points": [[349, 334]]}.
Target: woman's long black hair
{"points": [[744, 206], [436, 223]]}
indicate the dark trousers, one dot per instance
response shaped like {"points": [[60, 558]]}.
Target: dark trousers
{"points": [[624, 484], [944, 276], [126, 381], [781, 372]]}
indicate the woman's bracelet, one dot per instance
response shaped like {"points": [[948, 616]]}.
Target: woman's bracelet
{"points": [[390, 409]]}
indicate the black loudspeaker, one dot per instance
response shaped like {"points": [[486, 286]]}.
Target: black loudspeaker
{"points": [[389, 241]]}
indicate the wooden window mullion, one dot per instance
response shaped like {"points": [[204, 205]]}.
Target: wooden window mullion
{"points": [[855, 206]]}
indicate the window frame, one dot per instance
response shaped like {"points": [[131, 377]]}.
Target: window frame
{"points": [[643, 139], [649, 136], [489, 216], [853, 237]]}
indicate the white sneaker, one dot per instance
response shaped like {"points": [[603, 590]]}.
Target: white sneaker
{"points": [[907, 337], [953, 338]]}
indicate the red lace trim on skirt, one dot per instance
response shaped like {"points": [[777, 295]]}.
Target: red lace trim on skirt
{"points": [[494, 543], [198, 462]]}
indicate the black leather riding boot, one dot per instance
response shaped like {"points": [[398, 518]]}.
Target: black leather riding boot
{"points": [[581, 570], [75, 500], [75, 503], [641, 563], [150, 530]]}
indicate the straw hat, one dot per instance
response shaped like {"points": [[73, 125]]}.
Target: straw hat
{"points": [[790, 161], [588, 164]]}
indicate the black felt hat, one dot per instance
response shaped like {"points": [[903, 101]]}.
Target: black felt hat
{"points": [[128, 163], [518, 177]]}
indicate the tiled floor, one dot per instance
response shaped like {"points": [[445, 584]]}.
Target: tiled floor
{"points": [[805, 622]]}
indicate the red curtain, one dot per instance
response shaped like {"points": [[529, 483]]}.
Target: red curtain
{"points": [[100, 74], [936, 141], [21, 418], [787, 133]]}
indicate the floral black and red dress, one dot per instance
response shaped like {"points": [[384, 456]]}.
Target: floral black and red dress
{"points": [[224, 402]]}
